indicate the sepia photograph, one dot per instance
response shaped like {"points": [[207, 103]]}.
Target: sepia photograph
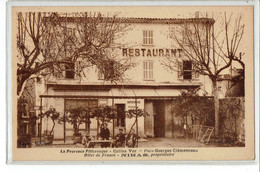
{"points": [[159, 80]]}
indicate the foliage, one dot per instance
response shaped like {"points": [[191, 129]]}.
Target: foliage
{"points": [[237, 88], [104, 113], [76, 117], [201, 108], [53, 115], [232, 113], [21, 109], [133, 113]]}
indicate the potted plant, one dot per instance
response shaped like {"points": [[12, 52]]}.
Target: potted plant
{"points": [[76, 117], [134, 113], [54, 116], [104, 113]]}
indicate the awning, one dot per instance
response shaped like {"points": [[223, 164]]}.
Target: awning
{"points": [[144, 93]]}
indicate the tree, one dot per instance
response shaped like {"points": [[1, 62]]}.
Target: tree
{"points": [[49, 43], [76, 117], [209, 51], [104, 114], [135, 113], [200, 108], [54, 116]]}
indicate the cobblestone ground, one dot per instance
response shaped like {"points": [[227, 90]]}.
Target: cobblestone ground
{"points": [[143, 143]]}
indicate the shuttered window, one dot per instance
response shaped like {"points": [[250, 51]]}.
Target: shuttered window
{"points": [[148, 37], [148, 70], [69, 71], [186, 71]]}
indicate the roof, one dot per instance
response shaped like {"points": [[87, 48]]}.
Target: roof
{"points": [[102, 86], [140, 20], [167, 20]]}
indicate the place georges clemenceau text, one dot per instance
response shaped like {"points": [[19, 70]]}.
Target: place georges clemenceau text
{"points": [[125, 153]]}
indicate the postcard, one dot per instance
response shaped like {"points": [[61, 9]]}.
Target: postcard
{"points": [[132, 83]]}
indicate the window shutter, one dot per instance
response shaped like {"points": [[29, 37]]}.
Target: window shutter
{"points": [[145, 69], [192, 71], [144, 37], [77, 69], [148, 70], [195, 74], [147, 37], [151, 37], [179, 72]]}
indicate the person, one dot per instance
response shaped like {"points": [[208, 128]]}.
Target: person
{"points": [[86, 140], [104, 134], [185, 129], [119, 139], [131, 139]]}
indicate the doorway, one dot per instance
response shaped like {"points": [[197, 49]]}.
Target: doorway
{"points": [[159, 119], [120, 119]]}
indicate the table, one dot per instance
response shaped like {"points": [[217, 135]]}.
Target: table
{"points": [[102, 141]]}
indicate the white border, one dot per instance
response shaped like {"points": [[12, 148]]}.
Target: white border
{"points": [[146, 3]]}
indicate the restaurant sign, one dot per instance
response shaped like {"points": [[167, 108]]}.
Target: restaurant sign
{"points": [[147, 52]]}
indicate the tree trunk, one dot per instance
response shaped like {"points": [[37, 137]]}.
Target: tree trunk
{"points": [[216, 106]]}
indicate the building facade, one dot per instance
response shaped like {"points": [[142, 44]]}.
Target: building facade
{"points": [[149, 85]]}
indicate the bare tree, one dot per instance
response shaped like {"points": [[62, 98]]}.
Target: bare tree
{"points": [[49, 43], [210, 51], [33, 37], [91, 40], [30, 29]]}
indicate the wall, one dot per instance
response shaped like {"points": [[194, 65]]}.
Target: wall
{"points": [[133, 39], [232, 119]]}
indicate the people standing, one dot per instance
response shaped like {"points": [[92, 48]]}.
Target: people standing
{"points": [[104, 134]]}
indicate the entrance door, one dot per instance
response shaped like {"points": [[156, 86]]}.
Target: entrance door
{"points": [[120, 120], [159, 119]]}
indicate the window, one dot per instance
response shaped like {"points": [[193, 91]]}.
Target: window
{"points": [[148, 37], [25, 111], [148, 70], [187, 69], [38, 80], [24, 128], [69, 71]]}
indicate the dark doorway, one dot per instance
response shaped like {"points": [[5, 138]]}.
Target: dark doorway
{"points": [[120, 120], [159, 119]]}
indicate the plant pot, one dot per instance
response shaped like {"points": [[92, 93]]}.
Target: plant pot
{"points": [[48, 139], [77, 138], [24, 140]]}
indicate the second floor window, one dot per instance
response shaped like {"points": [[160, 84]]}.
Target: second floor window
{"points": [[148, 70], [69, 71], [147, 37], [187, 69]]}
